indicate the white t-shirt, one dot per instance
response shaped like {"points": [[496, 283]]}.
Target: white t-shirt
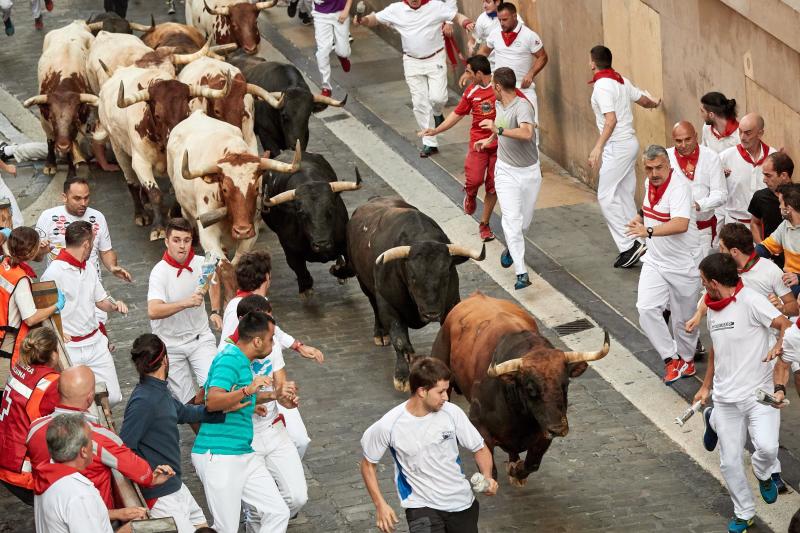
{"points": [[82, 290], [425, 450], [609, 95], [719, 145], [71, 504], [708, 186], [420, 29], [167, 286], [519, 56], [230, 322], [791, 347], [484, 25], [741, 336], [765, 277], [676, 252], [54, 221], [742, 182], [266, 367]]}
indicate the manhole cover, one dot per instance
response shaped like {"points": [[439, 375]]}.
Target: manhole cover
{"points": [[573, 327]]}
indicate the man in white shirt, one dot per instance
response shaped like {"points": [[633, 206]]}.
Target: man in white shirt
{"points": [[720, 128], [484, 24], [423, 435], [740, 322], [742, 166], [176, 308], [65, 499], [617, 145], [419, 24], [669, 277], [84, 293]]}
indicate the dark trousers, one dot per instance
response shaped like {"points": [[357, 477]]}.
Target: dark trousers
{"points": [[427, 520], [25, 495]]}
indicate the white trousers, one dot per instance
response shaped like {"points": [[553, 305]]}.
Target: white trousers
{"points": [[16, 213], [96, 356], [330, 35], [182, 507], [37, 6], [29, 151], [229, 480], [732, 422], [427, 81], [517, 189], [305, 6], [677, 291], [190, 359], [616, 186], [296, 429], [705, 246]]}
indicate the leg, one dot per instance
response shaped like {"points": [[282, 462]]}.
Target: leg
{"points": [[379, 335], [398, 333], [179, 380], [28, 151], [182, 507], [305, 283], [684, 291], [102, 364], [425, 520], [614, 193], [223, 478], [341, 41], [50, 166], [144, 172], [531, 185], [509, 195], [140, 217], [437, 82], [518, 470], [420, 99], [729, 423], [99, 150], [323, 34], [201, 356], [490, 198], [262, 494], [296, 429], [763, 424], [653, 295], [283, 463], [465, 521]]}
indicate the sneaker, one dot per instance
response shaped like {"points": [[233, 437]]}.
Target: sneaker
{"points": [[428, 151], [171, 7], [629, 257], [326, 92], [710, 437], [776, 477], [9, 28], [48, 4], [469, 204], [306, 19], [345, 63], [685, 369], [485, 232], [292, 9], [671, 371], [522, 281], [505, 259], [38, 23], [768, 489], [437, 120], [3, 157], [739, 525], [700, 350]]}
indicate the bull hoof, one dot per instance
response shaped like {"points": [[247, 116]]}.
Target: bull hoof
{"points": [[307, 294], [49, 170], [341, 281], [157, 234], [139, 220], [401, 386], [381, 341], [519, 483], [386, 340]]}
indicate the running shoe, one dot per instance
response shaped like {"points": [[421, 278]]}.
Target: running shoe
{"points": [[505, 259], [469, 204], [522, 281], [686, 369], [486, 232], [428, 151], [671, 374], [345, 61], [710, 436], [739, 525], [768, 489]]}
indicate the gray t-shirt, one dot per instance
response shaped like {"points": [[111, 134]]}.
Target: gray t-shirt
{"points": [[511, 151]]}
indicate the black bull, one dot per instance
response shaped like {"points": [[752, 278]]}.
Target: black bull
{"points": [[406, 267], [306, 212]]}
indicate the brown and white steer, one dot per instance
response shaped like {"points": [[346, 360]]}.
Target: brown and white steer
{"points": [[227, 21], [64, 93], [182, 38], [217, 180], [138, 109], [237, 107]]}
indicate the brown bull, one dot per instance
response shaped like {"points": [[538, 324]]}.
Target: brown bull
{"points": [[515, 380]]}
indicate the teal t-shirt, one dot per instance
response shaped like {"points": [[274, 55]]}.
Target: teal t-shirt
{"points": [[234, 436]]}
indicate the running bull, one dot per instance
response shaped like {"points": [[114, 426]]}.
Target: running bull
{"points": [[515, 380], [228, 22], [406, 267]]}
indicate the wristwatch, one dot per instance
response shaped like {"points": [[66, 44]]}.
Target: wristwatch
{"points": [[499, 131], [649, 232]]}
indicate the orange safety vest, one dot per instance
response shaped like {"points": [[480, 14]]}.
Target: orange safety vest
{"points": [[10, 336]]}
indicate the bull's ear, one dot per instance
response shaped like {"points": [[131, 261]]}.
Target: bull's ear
{"points": [[139, 85], [577, 369]]}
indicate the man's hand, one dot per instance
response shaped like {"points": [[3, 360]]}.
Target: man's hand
{"points": [[11, 169], [258, 382], [195, 300], [594, 157], [696, 206], [287, 395], [636, 229], [386, 520], [342, 16], [162, 473], [790, 278], [216, 321], [121, 273], [779, 396], [470, 27], [693, 322], [488, 124], [238, 405], [429, 132], [447, 29], [465, 80], [480, 145], [492, 488], [774, 300], [261, 409], [702, 395], [309, 352], [726, 171], [122, 308], [527, 81], [126, 514], [776, 351]]}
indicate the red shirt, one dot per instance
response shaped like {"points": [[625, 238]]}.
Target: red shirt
{"points": [[479, 101]]}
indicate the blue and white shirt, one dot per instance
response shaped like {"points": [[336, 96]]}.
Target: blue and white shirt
{"points": [[266, 367], [427, 464]]}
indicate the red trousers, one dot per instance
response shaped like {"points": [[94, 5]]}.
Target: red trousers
{"points": [[479, 168]]}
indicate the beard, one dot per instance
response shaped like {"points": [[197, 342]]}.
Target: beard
{"points": [[708, 121]]}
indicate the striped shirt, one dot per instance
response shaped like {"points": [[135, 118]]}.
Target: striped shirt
{"points": [[785, 239], [233, 437]]}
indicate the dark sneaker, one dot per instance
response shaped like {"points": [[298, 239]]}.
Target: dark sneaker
{"points": [[428, 151], [776, 477], [710, 437], [505, 259], [38, 23], [9, 28], [306, 19], [171, 7], [3, 157], [469, 204], [437, 120], [739, 525], [485, 232], [700, 351], [629, 257], [345, 63], [768, 489], [522, 281], [292, 9]]}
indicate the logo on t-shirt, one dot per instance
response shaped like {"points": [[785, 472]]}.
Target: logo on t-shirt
{"points": [[92, 219], [447, 435], [486, 107], [716, 326]]}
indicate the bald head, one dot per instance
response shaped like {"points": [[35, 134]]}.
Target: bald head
{"points": [[683, 128], [684, 137], [76, 387], [751, 129]]}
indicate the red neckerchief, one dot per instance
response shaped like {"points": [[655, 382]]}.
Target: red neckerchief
{"points": [[688, 164], [654, 193], [510, 36], [241, 293], [751, 262], [171, 262], [27, 269], [731, 126], [70, 259], [234, 338], [746, 155], [719, 305], [420, 5], [607, 73], [46, 474]]}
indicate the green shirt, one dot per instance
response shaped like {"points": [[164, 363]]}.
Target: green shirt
{"points": [[234, 436]]}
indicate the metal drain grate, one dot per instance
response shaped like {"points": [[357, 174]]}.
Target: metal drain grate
{"points": [[575, 326]]}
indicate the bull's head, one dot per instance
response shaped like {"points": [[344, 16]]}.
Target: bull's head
{"points": [[167, 104], [315, 206], [243, 19], [113, 23], [298, 105], [426, 269], [231, 109], [239, 180], [541, 379]]}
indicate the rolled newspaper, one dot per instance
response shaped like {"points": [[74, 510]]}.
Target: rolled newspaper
{"points": [[766, 398], [688, 413], [479, 482]]}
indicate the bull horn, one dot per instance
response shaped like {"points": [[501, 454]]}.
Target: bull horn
{"points": [[209, 218], [266, 5], [183, 59], [260, 92], [463, 251], [90, 99], [504, 368], [285, 196], [141, 27], [327, 100], [105, 68], [35, 100], [223, 10], [579, 357], [188, 175], [398, 252], [279, 166], [224, 48], [95, 26], [138, 96], [342, 186], [208, 92]]}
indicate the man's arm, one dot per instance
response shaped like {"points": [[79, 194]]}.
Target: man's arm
{"points": [[780, 323], [485, 462], [705, 389], [215, 298], [789, 305], [608, 128], [523, 133], [159, 309], [673, 227], [484, 50], [219, 399], [386, 519], [540, 59], [109, 259], [647, 102], [370, 21], [452, 119]]}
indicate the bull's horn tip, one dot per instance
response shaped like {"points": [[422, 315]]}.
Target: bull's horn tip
{"points": [[358, 176], [483, 253], [344, 101], [606, 340]]}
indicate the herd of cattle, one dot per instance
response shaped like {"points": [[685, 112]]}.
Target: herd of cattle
{"points": [[170, 104]]}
